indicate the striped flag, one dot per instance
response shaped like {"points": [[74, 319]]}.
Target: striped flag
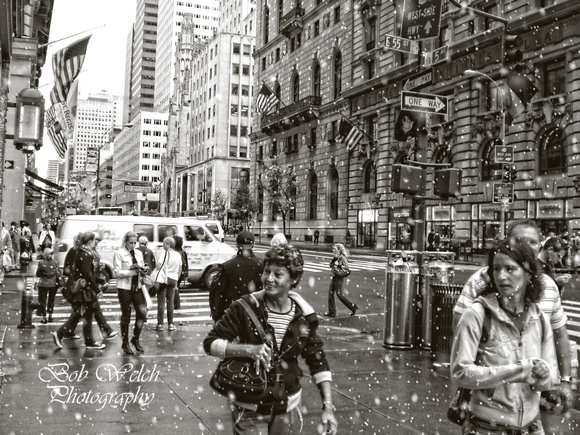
{"points": [[350, 134], [66, 65], [54, 132], [266, 100], [520, 90]]}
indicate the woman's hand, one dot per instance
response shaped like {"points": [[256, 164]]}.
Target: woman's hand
{"points": [[329, 420], [262, 354], [540, 369]]}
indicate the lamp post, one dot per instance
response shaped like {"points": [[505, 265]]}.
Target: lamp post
{"points": [[504, 205]]}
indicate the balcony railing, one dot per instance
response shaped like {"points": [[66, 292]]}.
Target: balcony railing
{"points": [[297, 113], [292, 21]]}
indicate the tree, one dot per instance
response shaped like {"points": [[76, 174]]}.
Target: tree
{"points": [[279, 181], [218, 204], [243, 202]]}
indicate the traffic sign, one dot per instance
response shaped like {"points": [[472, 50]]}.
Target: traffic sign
{"points": [[424, 79], [421, 102], [435, 56], [8, 164], [503, 192], [421, 19], [138, 186], [401, 44], [504, 154]]}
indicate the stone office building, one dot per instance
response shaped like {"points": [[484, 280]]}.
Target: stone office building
{"points": [[332, 60]]}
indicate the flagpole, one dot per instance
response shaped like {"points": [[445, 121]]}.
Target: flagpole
{"points": [[273, 93], [356, 126], [71, 36]]}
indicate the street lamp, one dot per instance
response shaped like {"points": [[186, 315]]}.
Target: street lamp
{"points": [[504, 205], [28, 128]]}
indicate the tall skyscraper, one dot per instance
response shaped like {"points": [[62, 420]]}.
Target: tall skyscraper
{"points": [[205, 19], [53, 171]]}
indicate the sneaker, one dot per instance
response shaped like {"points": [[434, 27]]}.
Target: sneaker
{"points": [[112, 334], [72, 336], [57, 339], [44, 321], [96, 346], [159, 327], [171, 327]]}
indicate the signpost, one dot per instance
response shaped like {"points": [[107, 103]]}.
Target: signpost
{"points": [[401, 44], [435, 56], [421, 19], [421, 102], [503, 193], [504, 154], [424, 79], [138, 186]]}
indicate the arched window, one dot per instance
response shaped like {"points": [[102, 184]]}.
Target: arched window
{"points": [[316, 80], [370, 177], [295, 88], [312, 195], [266, 24], [337, 71], [490, 170], [551, 150], [441, 155], [332, 194]]}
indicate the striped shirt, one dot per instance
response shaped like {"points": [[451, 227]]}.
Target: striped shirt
{"points": [[550, 303], [280, 322]]}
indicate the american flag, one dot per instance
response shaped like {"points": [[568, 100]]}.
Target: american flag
{"points": [[266, 100], [55, 132], [66, 65], [351, 134]]}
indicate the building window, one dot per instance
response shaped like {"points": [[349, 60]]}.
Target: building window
{"points": [[332, 194], [371, 33], [280, 13], [312, 195], [244, 111], [317, 28], [295, 88], [551, 151], [490, 170], [266, 24], [236, 69], [370, 177], [235, 89], [337, 75], [337, 15], [277, 93], [370, 68], [554, 77], [236, 48], [316, 80], [234, 110], [245, 90], [233, 130], [243, 131], [313, 137]]}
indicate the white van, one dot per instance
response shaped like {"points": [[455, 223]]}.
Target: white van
{"points": [[204, 252], [214, 225]]}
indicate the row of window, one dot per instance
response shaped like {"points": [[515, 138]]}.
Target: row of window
{"points": [[155, 121], [151, 167]]}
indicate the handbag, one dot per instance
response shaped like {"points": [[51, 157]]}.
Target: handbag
{"points": [[237, 379], [148, 281], [72, 287]]}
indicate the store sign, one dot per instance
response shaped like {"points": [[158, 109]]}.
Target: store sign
{"points": [[488, 213], [550, 210], [441, 213], [400, 214]]}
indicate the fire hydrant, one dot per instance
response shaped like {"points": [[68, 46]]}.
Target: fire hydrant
{"points": [[24, 261], [28, 306]]}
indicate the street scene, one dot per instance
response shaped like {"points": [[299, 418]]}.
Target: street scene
{"points": [[280, 217]]}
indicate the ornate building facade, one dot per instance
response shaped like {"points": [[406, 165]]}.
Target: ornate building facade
{"points": [[333, 60]]}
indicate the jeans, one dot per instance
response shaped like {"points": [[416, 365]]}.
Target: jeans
{"points": [[246, 421], [165, 295], [46, 306], [71, 323], [336, 284], [100, 318], [126, 299]]}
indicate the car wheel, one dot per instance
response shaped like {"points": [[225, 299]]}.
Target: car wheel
{"points": [[209, 275]]}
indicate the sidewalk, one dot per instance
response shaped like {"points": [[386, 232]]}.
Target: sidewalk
{"points": [[166, 391]]}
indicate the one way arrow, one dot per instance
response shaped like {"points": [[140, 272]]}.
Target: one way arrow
{"points": [[8, 164]]}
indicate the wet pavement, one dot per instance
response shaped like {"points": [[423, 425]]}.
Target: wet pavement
{"points": [[166, 391]]}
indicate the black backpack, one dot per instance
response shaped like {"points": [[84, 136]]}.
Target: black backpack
{"points": [[215, 291]]}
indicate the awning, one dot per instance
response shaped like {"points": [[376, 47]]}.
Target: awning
{"points": [[48, 183], [38, 189]]}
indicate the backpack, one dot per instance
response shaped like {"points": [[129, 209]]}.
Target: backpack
{"points": [[215, 291]]}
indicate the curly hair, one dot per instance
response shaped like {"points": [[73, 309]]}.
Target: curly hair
{"points": [[289, 257], [523, 255]]}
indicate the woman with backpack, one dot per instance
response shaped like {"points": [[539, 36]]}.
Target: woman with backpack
{"points": [[340, 270]]}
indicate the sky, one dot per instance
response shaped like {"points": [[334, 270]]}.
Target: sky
{"points": [[104, 65]]}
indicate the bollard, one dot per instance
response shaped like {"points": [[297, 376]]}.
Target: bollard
{"points": [[27, 307]]}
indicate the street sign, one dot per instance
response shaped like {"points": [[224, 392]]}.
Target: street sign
{"points": [[8, 164], [138, 186], [426, 78], [401, 44], [503, 192], [504, 154], [421, 102], [435, 56], [421, 19]]}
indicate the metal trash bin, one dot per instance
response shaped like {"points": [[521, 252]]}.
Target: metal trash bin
{"points": [[402, 295], [444, 298], [437, 268]]}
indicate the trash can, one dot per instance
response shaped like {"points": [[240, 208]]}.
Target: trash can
{"points": [[444, 298], [437, 268], [402, 296]]}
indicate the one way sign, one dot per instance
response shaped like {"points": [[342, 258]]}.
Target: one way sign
{"points": [[421, 102]]}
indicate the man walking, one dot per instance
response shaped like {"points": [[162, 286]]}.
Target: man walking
{"points": [[239, 276]]}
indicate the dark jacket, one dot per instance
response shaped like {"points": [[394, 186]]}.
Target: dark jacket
{"points": [[148, 257], [48, 273], [301, 338], [239, 276], [85, 268]]}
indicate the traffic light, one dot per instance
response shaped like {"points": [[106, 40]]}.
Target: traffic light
{"points": [[408, 179], [513, 173], [447, 182], [510, 173], [511, 52]]}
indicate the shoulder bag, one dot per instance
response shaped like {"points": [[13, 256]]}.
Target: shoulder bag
{"points": [[236, 378]]}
